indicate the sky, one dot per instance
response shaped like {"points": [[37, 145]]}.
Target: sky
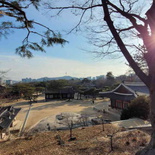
{"points": [[70, 60]]}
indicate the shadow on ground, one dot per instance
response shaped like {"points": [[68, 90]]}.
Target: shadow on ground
{"points": [[59, 103]]}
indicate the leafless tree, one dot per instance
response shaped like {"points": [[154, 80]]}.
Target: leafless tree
{"points": [[101, 116], [84, 120], [69, 121], [124, 27]]}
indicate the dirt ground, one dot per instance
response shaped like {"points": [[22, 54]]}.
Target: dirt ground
{"points": [[42, 109]]}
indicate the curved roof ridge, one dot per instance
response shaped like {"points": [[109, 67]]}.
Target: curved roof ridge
{"points": [[122, 84], [117, 87], [122, 93], [128, 88]]}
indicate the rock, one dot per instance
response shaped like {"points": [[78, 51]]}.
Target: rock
{"points": [[59, 140], [59, 117], [95, 121], [71, 139], [146, 151], [107, 121]]}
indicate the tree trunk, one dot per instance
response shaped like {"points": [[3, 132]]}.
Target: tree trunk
{"points": [[70, 133], [150, 149]]}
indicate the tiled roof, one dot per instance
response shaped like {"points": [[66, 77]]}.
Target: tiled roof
{"points": [[117, 96], [139, 87], [7, 115], [122, 88], [126, 91], [66, 89], [122, 92], [134, 83]]}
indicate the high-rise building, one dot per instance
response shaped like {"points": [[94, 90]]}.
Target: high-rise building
{"points": [[100, 76], [9, 82], [26, 80], [1, 81]]}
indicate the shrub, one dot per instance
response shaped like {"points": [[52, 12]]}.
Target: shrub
{"points": [[139, 108], [127, 143]]}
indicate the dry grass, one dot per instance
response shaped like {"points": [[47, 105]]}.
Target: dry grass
{"points": [[89, 141], [8, 101]]}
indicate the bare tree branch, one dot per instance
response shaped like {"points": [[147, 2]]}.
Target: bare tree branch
{"points": [[71, 7], [78, 22], [125, 29], [120, 43], [129, 16]]}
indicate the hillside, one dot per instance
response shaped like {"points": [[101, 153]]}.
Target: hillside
{"points": [[89, 141], [56, 78]]}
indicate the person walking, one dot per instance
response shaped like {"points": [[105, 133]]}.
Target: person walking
{"points": [[93, 101]]}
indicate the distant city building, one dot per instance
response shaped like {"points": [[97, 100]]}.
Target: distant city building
{"points": [[1, 81], [93, 78], [26, 80], [100, 76], [9, 82], [89, 78]]}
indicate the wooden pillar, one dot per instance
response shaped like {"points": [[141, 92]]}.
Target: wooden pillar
{"points": [[122, 105]]}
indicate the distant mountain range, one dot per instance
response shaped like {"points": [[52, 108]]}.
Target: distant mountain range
{"points": [[55, 78]]}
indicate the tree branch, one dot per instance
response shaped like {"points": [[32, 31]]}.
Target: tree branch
{"points": [[141, 29], [15, 10], [72, 7], [125, 29], [121, 45], [151, 17], [77, 23]]}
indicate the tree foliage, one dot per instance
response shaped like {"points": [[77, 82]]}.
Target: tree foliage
{"points": [[139, 108], [56, 84], [85, 80], [13, 14], [29, 94], [92, 92], [110, 80], [28, 91]]}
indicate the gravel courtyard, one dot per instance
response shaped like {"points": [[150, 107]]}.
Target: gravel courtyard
{"points": [[42, 109]]}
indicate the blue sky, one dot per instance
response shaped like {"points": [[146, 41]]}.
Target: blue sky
{"points": [[57, 61]]}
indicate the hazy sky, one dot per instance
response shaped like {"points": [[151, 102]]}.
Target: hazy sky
{"points": [[69, 60]]}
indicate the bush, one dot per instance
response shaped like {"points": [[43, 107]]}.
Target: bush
{"points": [[139, 108]]}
